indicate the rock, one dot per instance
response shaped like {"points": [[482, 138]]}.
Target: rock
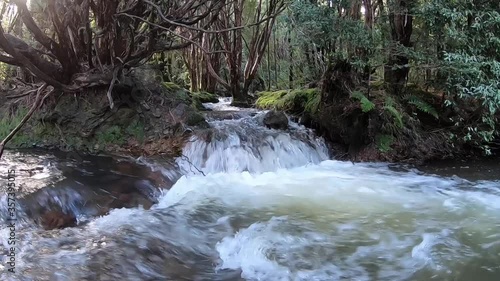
{"points": [[305, 120], [229, 115], [188, 116], [57, 219], [276, 120], [205, 97]]}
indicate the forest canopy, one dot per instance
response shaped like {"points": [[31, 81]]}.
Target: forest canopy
{"points": [[397, 49]]}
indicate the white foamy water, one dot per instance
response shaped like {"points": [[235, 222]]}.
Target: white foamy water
{"points": [[261, 204], [327, 221], [339, 221], [224, 104], [245, 145]]}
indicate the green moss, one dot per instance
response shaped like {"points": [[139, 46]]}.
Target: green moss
{"points": [[136, 130], [270, 100], [176, 92], [293, 101], [171, 86], [194, 119], [204, 97], [111, 135], [198, 98], [377, 84]]}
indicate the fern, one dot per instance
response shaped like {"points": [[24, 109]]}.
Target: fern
{"points": [[396, 114], [366, 104], [384, 142], [422, 105], [312, 105]]}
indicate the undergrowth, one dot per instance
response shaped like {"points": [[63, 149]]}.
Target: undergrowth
{"points": [[23, 137]]}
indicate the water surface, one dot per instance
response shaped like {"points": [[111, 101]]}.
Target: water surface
{"points": [[259, 204]]}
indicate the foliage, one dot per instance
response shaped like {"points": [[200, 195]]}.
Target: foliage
{"points": [[111, 135], [470, 62], [25, 137], [366, 104], [421, 105], [397, 116], [136, 130], [384, 142]]}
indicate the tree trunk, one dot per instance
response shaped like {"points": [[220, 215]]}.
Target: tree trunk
{"points": [[401, 22], [290, 56]]}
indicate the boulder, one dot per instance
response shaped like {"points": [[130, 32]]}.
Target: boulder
{"points": [[276, 120], [57, 219]]}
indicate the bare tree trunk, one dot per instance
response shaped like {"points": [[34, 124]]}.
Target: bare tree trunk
{"points": [[401, 22], [231, 19], [290, 57]]}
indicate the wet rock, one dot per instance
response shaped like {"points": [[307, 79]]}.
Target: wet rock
{"points": [[57, 219], [187, 116], [276, 120], [306, 120], [228, 115]]}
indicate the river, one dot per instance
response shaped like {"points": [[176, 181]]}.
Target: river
{"points": [[250, 203]]}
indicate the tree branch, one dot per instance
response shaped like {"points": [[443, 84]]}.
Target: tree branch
{"points": [[46, 41], [9, 60], [163, 17], [24, 120]]}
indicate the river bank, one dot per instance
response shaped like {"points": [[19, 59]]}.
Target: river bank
{"points": [[361, 130], [149, 117], [159, 118]]}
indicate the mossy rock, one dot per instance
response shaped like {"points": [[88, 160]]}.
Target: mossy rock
{"points": [[296, 101], [199, 98], [195, 119], [171, 86], [205, 97], [176, 92]]}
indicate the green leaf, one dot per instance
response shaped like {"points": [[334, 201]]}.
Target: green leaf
{"points": [[366, 104]]}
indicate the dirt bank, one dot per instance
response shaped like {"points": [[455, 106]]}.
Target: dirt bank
{"points": [[149, 118]]}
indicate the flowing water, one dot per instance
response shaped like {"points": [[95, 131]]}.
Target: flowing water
{"points": [[260, 204]]}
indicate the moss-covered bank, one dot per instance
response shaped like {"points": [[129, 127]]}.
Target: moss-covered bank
{"points": [[365, 123], [150, 117]]}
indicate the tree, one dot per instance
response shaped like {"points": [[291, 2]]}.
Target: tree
{"points": [[260, 25], [95, 43], [401, 23]]}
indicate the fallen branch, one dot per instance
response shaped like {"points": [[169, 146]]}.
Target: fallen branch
{"points": [[24, 120]]}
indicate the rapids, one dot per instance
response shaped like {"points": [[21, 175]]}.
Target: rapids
{"points": [[259, 204]]}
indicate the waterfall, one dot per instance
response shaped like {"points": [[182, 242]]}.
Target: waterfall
{"points": [[245, 144]]}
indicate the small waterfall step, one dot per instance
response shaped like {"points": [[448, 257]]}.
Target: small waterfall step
{"points": [[238, 141]]}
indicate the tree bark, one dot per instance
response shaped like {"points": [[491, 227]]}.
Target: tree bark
{"points": [[401, 22]]}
